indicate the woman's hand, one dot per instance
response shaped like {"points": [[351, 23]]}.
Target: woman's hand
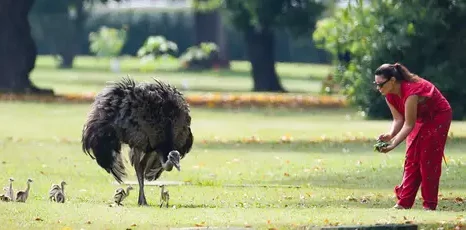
{"points": [[388, 148], [385, 137]]}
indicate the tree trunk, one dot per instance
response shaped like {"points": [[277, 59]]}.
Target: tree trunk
{"points": [[69, 51], [260, 46], [17, 48], [209, 28], [67, 58]]}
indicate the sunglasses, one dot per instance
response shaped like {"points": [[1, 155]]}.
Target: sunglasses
{"points": [[380, 85]]}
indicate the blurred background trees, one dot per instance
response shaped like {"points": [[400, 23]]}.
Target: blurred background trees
{"points": [[428, 36], [354, 36]]}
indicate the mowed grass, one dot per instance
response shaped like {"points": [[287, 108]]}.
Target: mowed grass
{"points": [[91, 74], [308, 184]]}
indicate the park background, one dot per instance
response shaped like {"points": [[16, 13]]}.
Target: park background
{"points": [[284, 111]]}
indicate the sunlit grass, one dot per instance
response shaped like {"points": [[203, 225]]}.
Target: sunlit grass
{"points": [[91, 74], [257, 185]]}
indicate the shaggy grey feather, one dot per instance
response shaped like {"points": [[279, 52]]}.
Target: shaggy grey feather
{"points": [[152, 118]]}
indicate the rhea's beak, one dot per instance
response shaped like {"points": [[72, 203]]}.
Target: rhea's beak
{"points": [[177, 166]]}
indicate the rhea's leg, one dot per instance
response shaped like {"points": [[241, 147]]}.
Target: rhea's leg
{"points": [[139, 165], [140, 174]]}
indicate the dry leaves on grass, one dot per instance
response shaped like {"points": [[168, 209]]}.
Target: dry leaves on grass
{"points": [[201, 224], [456, 200], [210, 100]]}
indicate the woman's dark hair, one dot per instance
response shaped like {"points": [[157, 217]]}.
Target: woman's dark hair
{"points": [[397, 70]]}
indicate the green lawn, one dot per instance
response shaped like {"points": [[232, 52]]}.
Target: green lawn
{"points": [[41, 141], [90, 75]]}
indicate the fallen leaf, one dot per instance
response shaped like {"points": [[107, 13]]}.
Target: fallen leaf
{"points": [[286, 174], [88, 222], [459, 200], [200, 224], [133, 225], [38, 219]]}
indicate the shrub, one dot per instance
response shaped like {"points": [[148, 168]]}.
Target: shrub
{"points": [[426, 36], [203, 56], [107, 42], [156, 48]]}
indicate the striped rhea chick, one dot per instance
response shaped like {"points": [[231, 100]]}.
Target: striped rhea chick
{"points": [[164, 196], [121, 194], [57, 193], [4, 197], [22, 196]]}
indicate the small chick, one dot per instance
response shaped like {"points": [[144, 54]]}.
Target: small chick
{"points": [[164, 196], [59, 196], [4, 197], [9, 192], [57, 193], [121, 194], [22, 196]]}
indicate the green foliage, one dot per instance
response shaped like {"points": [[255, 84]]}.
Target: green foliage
{"points": [[298, 16], [107, 42], [426, 36], [200, 57], [206, 5], [379, 145], [156, 48]]}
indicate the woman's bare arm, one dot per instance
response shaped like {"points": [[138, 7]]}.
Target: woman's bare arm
{"points": [[410, 120], [398, 121]]}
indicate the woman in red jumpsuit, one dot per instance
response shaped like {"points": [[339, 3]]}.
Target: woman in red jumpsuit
{"points": [[422, 116]]}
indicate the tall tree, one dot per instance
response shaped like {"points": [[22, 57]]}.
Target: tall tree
{"points": [[18, 51], [258, 20], [60, 25], [208, 26]]}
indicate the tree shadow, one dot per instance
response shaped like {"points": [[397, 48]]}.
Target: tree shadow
{"points": [[220, 72], [331, 146]]}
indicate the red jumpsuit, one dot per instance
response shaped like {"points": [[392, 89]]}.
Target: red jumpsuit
{"points": [[425, 144]]}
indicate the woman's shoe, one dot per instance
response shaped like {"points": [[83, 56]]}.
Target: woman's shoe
{"points": [[397, 206], [428, 209]]}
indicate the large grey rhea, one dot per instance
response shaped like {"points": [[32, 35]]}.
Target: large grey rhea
{"points": [[153, 119]]}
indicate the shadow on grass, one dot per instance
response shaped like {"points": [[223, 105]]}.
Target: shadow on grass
{"points": [[368, 178], [220, 72], [102, 82], [332, 146]]}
